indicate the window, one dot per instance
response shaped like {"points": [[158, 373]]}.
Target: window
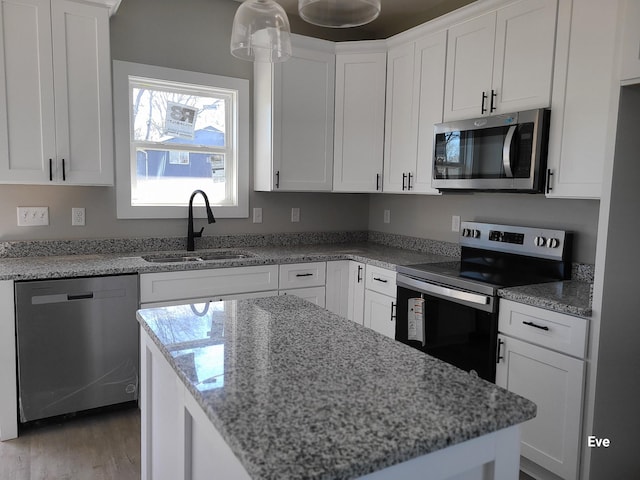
{"points": [[176, 132]]}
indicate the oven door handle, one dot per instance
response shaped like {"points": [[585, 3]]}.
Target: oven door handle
{"points": [[441, 291]]}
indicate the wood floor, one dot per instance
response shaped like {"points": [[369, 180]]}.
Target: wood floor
{"points": [[104, 446]]}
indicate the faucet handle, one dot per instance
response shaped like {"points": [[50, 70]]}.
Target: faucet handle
{"points": [[198, 234]]}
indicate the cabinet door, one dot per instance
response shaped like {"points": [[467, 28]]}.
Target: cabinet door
{"points": [[82, 70], [303, 114], [400, 136], [337, 287], [314, 295], [524, 49], [378, 311], [583, 105], [469, 68], [355, 307], [428, 85], [554, 382], [631, 42], [27, 116], [359, 122]]}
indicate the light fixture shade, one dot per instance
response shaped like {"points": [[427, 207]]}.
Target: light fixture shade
{"points": [[338, 13], [261, 32]]}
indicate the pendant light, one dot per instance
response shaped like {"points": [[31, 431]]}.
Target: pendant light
{"points": [[338, 13], [261, 32]]}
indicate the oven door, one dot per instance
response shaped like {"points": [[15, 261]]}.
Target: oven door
{"points": [[455, 326]]}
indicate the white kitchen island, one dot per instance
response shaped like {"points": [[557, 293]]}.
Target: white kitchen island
{"points": [[278, 388]]}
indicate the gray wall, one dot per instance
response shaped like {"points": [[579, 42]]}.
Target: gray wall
{"points": [[429, 216], [618, 382]]}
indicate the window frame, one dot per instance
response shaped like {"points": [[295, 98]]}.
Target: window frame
{"points": [[123, 145]]}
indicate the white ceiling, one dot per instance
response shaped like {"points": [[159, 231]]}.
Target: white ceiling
{"points": [[395, 16]]}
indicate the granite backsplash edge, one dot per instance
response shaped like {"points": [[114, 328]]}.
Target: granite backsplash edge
{"points": [[45, 248]]}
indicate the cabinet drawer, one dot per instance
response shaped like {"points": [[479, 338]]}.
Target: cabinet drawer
{"points": [[312, 294], [380, 280], [163, 286], [557, 331], [301, 275]]}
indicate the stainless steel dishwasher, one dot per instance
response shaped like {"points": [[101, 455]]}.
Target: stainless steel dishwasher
{"points": [[77, 343]]}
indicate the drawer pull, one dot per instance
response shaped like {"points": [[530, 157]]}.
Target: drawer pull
{"points": [[304, 274], [380, 280], [531, 324]]}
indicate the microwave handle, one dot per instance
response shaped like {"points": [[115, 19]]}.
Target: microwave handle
{"points": [[506, 151]]}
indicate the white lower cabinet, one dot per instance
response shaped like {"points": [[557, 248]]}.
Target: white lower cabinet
{"points": [[380, 300], [337, 287], [541, 357], [304, 280], [208, 284], [355, 308], [630, 64], [379, 313]]}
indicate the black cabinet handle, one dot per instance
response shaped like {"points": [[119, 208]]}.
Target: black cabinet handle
{"points": [[359, 274], [393, 315], [377, 182], [304, 274], [51, 169], [64, 173], [541, 327], [404, 179], [493, 96], [409, 187], [278, 179], [380, 280], [498, 356], [483, 110], [549, 175]]}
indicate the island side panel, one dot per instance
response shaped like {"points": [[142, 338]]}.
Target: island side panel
{"points": [[8, 390], [178, 441]]}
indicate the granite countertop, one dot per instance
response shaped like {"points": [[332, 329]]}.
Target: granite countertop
{"points": [[35, 268], [299, 392], [572, 296]]}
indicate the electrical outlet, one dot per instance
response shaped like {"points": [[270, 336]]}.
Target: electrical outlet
{"points": [[387, 216], [78, 217], [257, 215], [295, 214], [33, 216], [455, 223]]}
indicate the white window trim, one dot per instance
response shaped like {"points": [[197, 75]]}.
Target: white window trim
{"points": [[121, 72]]}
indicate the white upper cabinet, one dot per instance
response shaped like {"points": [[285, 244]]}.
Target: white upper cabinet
{"points": [[55, 93], [359, 120], [294, 118], [415, 92], [584, 101], [630, 70], [502, 61]]}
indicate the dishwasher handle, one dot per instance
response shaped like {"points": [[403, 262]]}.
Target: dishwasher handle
{"points": [[80, 296]]}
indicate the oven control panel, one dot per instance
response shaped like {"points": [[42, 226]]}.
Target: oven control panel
{"points": [[537, 242]]}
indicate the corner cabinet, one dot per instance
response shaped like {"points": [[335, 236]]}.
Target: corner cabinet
{"points": [[541, 357], [359, 117], [415, 92], [293, 119], [55, 93], [581, 134], [502, 61]]}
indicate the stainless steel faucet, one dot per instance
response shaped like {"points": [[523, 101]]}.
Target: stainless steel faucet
{"points": [[191, 235]]}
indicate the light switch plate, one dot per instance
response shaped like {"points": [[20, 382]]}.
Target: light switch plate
{"points": [[257, 215], [455, 223], [387, 216], [295, 214], [33, 216]]}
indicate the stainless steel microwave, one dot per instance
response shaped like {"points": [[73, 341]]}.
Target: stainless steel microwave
{"points": [[501, 152]]}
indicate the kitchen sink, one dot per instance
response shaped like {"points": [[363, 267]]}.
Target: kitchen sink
{"points": [[196, 257]]}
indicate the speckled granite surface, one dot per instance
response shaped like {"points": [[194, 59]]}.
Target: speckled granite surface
{"points": [[31, 268], [571, 297], [298, 392]]}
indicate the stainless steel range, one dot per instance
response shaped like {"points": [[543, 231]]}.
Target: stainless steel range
{"points": [[450, 310]]}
